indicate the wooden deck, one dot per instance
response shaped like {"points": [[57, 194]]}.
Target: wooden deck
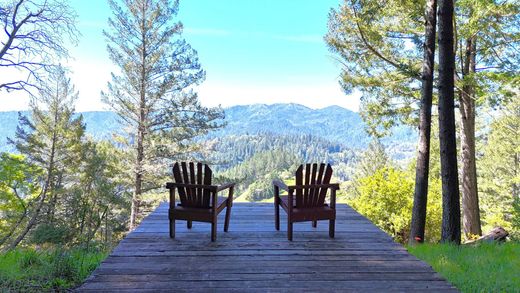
{"points": [[254, 257]]}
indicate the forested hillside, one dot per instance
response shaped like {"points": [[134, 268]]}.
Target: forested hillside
{"points": [[261, 142], [335, 124], [253, 161]]}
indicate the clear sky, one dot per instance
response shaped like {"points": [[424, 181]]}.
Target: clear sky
{"points": [[253, 51]]}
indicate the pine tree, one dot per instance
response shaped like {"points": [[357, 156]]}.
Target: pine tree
{"points": [[500, 169], [50, 140], [447, 131], [153, 91], [379, 44], [418, 222]]}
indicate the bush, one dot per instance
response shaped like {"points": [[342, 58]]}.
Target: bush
{"points": [[29, 259], [63, 266], [386, 198], [515, 233], [30, 270], [49, 233]]}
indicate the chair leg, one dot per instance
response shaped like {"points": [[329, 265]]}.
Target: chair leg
{"points": [[289, 230], [332, 224], [314, 224], [189, 224], [228, 215], [276, 215], [172, 228], [214, 230]]}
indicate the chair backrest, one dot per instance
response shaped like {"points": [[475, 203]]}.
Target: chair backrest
{"points": [[311, 197], [199, 175]]}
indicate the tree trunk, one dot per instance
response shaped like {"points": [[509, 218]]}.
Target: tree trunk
{"points": [[447, 131], [34, 218], [498, 234], [138, 180], [425, 120], [141, 131], [470, 204], [53, 193], [13, 228]]}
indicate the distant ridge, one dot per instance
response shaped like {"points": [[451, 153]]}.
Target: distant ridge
{"points": [[333, 123]]}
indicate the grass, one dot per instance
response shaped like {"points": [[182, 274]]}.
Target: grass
{"points": [[32, 270], [482, 268]]}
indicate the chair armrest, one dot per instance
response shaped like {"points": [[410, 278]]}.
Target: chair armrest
{"points": [[225, 186], [280, 185], [171, 185], [333, 186]]}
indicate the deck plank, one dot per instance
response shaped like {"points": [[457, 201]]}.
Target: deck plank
{"points": [[254, 257]]}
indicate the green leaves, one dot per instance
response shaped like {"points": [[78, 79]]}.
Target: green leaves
{"points": [[499, 170], [380, 44], [383, 193]]}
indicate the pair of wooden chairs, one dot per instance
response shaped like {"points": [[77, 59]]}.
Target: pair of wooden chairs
{"points": [[199, 201]]}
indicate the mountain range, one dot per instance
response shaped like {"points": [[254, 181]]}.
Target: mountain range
{"points": [[334, 123]]}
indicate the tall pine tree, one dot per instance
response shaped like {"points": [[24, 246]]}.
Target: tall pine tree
{"points": [[51, 140], [380, 44], [422, 169], [447, 131], [153, 91]]}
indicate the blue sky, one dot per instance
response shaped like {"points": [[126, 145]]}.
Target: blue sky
{"points": [[253, 51]]}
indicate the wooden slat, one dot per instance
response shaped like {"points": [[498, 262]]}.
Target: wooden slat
{"points": [[178, 178], [185, 176], [253, 257], [299, 181], [307, 180], [319, 180], [326, 180], [199, 181], [207, 181], [310, 201]]}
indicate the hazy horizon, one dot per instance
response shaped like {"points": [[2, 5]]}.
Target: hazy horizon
{"points": [[224, 107]]}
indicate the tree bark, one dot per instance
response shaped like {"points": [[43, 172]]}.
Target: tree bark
{"points": [[497, 234], [470, 202], [418, 223], [141, 130], [447, 131], [13, 228], [19, 222]]}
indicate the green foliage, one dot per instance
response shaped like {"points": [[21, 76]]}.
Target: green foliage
{"points": [[30, 259], [50, 233], [30, 270], [385, 198], [384, 194], [482, 268], [515, 222], [256, 174], [153, 92], [98, 205], [64, 188], [380, 46], [17, 190], [63, 266], [499, 170], [253, 161]]}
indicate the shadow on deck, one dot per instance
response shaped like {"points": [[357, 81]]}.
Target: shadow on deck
{"points": [[253, 256]]}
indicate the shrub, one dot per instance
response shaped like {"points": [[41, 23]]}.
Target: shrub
{"points": [[63, 266], [29, 259], [386, 198], [49, 233]]}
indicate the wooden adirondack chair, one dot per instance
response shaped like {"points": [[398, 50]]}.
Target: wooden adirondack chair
{"points": [[198, 198], [306, 200]]}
